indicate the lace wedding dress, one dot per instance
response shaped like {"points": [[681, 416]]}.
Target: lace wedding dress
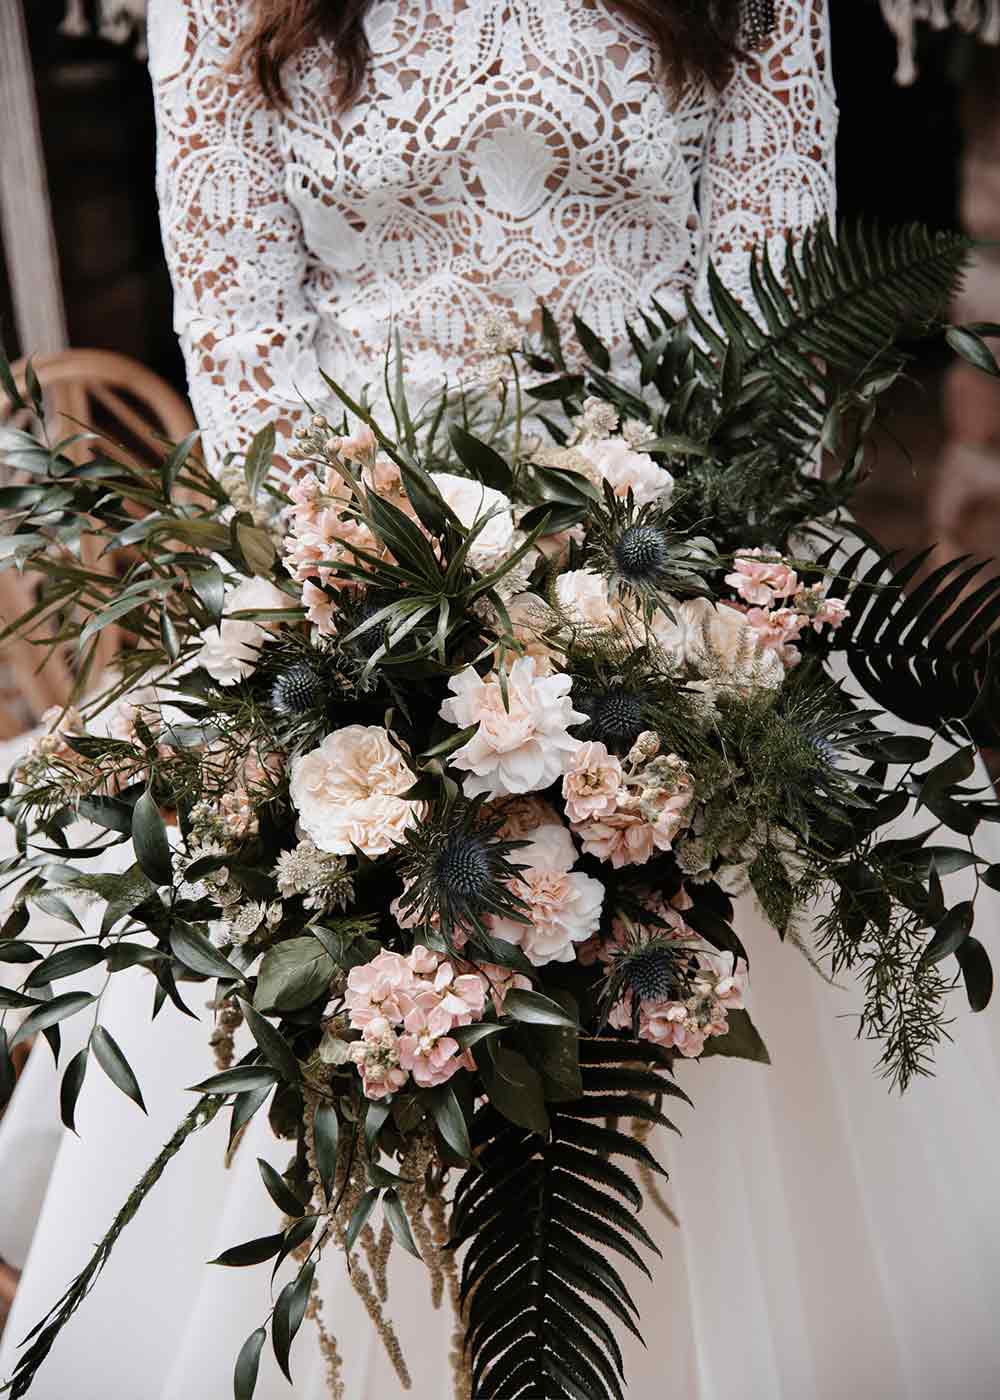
{"points": [[832, 1240]]}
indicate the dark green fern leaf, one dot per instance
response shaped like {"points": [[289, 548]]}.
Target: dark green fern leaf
{"points": [[925, 651], [542, 1219], [829, 326]]}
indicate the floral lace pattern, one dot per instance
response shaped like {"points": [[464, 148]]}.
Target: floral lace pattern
{"points": [[501, 150]]}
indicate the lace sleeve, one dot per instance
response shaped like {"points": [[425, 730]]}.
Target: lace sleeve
{"points": [[232, 239], [769, 156]]}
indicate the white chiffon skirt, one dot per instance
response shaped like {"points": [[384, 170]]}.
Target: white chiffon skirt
{"points": [[835, 1240]]}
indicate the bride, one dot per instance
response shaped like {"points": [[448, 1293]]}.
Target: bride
{"points": [[331, 170]]}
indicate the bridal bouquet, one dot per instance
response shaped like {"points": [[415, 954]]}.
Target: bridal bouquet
{"points": [[441, 750]]}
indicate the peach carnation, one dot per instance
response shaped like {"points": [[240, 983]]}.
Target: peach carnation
{"points": [[521, 747], [348, 792], [590, 784], [564, 906], [472, 501], [229, 650], [614, 461]]}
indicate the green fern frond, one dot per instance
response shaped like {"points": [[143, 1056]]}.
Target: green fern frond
{"points": [[828, 326], [543, 1217], [926, 652]]}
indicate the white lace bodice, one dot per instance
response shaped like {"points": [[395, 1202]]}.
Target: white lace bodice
{"points": [[502, 151]]}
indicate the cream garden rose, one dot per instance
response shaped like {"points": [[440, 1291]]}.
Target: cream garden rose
{"points": [[348, 792]]}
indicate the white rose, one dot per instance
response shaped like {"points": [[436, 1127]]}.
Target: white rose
{"points": [[229, 651], [471, 500], [347, 792], [583, 596], [624, 469]]}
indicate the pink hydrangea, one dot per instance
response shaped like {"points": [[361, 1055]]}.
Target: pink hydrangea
{"points": [[590, 784], [759, 577]]}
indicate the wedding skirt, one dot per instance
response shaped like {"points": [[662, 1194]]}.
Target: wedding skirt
{"points": [[835, 1240]]}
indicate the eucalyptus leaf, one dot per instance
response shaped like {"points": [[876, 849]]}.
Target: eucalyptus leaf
{"points": [[238, 1080], [70, 1086], [450, 1120], [196, 952], [360, 1217], [248, 1365], [326, 1130], [257, 1251], [279, 1191], [293, 974], [108, 1054], [289, 1311], [536, 1009], [275, 1049], [43, 1017], [149, 837], [398, 1223]]}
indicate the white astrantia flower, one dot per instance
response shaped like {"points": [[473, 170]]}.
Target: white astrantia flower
{"points": [[522, 746], [348, 792], [472, 501], [229, 650], [614, 461]]}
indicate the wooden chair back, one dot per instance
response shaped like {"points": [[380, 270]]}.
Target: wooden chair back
{"points": [[136, 409]]}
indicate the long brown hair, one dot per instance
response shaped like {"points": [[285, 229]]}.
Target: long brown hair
{"points": [[695, 37]]}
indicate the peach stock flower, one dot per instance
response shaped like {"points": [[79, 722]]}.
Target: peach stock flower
{"points": [[759, 576]]}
